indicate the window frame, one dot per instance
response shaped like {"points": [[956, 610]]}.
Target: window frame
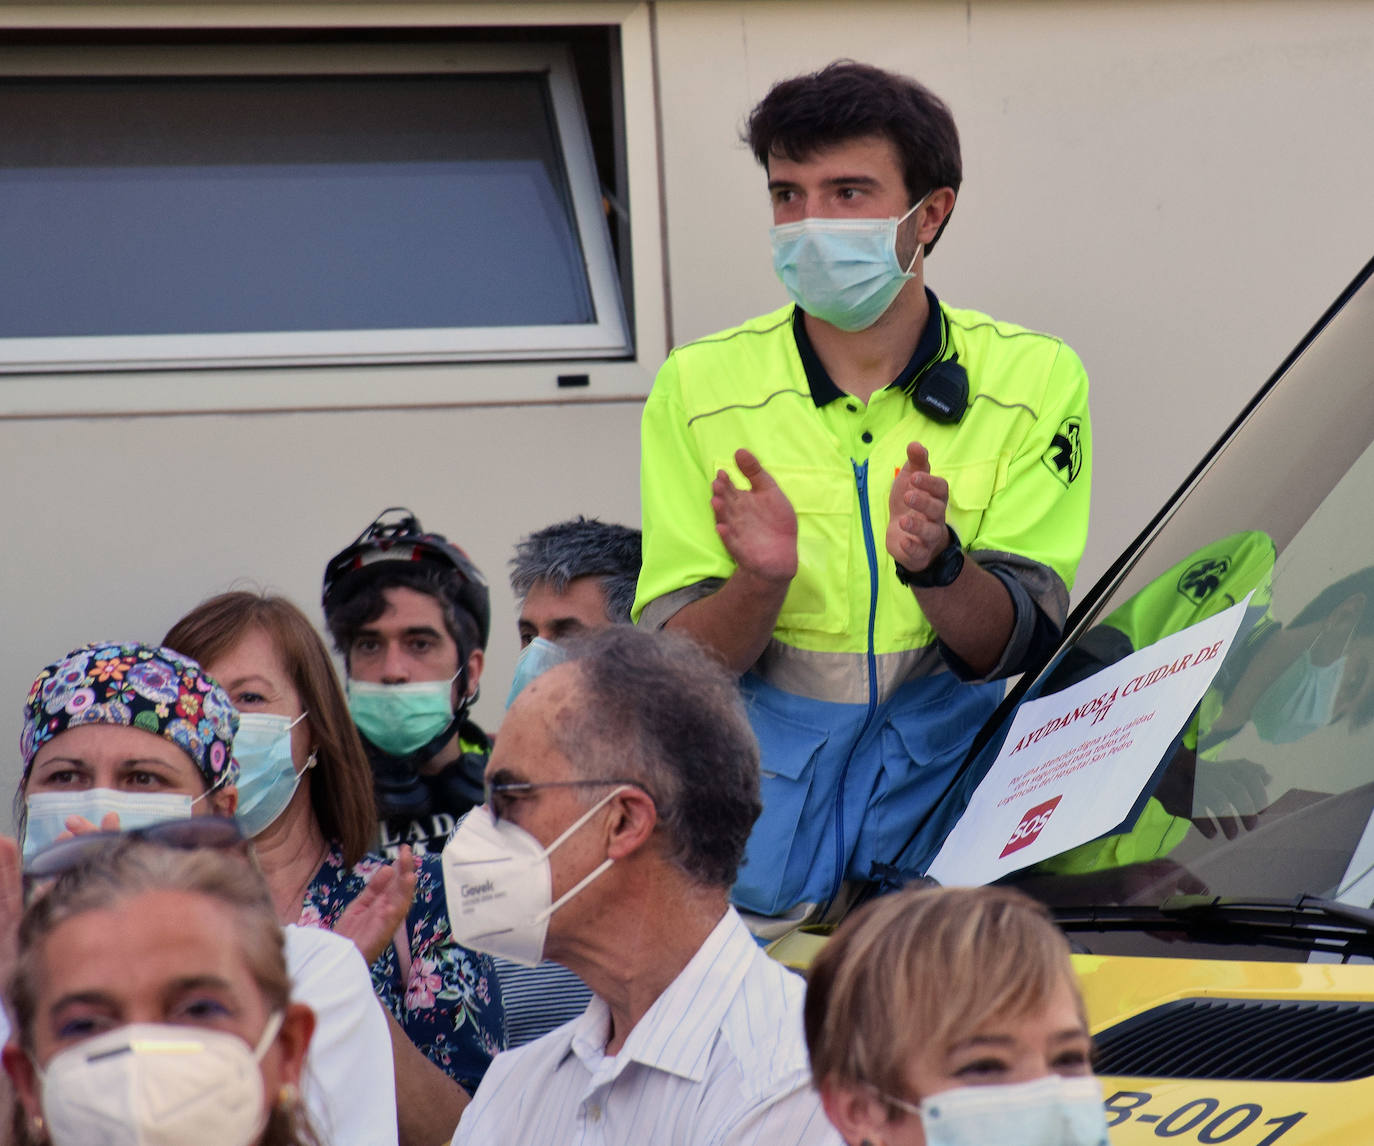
{"points": [[608, 337]]}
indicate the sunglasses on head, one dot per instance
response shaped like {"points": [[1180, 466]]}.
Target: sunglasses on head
{"points": [[198, 832]]}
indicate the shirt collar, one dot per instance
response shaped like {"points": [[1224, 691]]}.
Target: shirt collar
{"points": [[677, 1033], [929, 348]]}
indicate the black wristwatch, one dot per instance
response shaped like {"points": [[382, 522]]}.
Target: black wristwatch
{"points": [[943, 569]]}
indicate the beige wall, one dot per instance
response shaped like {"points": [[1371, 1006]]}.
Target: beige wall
{"points": [[1178, 189]]}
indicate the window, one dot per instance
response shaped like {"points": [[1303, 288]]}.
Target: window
{"points": [[322, 204]]}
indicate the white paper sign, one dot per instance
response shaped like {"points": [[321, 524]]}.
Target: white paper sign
{"points": [[1075, 763]]}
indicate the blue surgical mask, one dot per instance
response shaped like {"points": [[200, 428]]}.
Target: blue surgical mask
{"points": [[267, 774], [401, 718], [1300, 701], [536, 658], [842, 271], [1049, 1111], [47, 812]]}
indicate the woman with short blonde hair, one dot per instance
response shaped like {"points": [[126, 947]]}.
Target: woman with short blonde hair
{"points": [[952, 1015]]}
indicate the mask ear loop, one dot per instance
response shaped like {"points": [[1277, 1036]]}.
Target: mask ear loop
{"points": [[920, 247], [595, 872], [269, 1033], [311, 760]]}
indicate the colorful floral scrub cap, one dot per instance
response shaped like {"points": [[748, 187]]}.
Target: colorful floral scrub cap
{"points": [[139, 686]]}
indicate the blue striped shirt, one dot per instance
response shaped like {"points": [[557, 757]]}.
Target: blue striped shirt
{"points": [[538, 999], [718, 1060]]}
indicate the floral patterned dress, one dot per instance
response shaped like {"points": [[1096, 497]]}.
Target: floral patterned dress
{"points": [[450, 1005]]}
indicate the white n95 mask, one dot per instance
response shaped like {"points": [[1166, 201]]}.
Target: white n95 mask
{"points": [[499, 884], [154, 1084], [1049, 1111]]}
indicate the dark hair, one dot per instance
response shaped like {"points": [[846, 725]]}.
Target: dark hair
{"points": [[582, 547], [656, 707], [847, 100], [363, 600], [341, 785]]}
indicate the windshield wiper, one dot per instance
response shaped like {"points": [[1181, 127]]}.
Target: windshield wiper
{"points": [[1306, 922]]}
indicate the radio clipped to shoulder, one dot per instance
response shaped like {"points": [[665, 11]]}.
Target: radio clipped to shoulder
{"points": [[941, 393]]}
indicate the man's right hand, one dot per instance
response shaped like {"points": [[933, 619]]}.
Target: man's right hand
{"points": [[757, 526]]}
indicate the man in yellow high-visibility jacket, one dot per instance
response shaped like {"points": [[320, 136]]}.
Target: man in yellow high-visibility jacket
{"points": [[869, 504]]}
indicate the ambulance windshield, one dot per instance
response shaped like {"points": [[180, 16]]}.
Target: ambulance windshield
{"points": [[1230, 660]]}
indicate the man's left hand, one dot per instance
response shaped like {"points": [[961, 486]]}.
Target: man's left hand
{"points": [[916, 530]]}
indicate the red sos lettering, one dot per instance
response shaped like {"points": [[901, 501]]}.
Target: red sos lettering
{"points": [[1031, 825]]}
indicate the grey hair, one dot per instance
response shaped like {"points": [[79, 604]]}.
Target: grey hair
{"points": [[127, 867], [657, 708], [582, 547]]}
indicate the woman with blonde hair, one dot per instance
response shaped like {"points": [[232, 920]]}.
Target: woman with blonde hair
{"points": [[951, 1017], [146, 972]]}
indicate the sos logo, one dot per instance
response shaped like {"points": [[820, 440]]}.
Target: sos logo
{"points": [[1031, 825]]}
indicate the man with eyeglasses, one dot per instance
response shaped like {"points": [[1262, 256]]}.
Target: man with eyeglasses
{"points": [[620, 794]]}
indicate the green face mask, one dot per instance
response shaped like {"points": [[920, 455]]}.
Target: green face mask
{"points": [[401, 718]]}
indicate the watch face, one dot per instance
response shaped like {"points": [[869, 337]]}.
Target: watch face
{"points": [[951, 565], [942, 571]]}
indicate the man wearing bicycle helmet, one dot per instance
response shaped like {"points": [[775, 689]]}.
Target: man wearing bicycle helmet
{"points": [[410, 614]]}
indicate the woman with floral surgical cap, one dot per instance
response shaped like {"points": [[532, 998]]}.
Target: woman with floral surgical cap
{"points": [[125, 730]]}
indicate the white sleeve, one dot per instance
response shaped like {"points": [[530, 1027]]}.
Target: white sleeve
{"points": [[350, 1084]]}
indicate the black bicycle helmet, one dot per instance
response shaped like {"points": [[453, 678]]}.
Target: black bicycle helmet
{"points": [[403, 540]]}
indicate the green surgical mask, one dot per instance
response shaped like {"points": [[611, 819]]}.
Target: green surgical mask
{"points": [[401, 718]]}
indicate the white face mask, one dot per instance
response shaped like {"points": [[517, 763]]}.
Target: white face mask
{"points": [[499, 885], [150, 1084], [267, 773], [47, 812], [1049, 1111]]}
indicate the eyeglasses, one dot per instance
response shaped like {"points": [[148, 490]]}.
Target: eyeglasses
{"points": [[218, 832], [499, 797]]}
